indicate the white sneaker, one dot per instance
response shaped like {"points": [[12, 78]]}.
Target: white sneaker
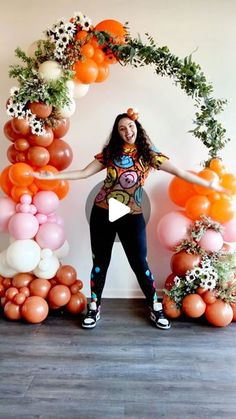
{"points": [[92, 316], [158, 318]]}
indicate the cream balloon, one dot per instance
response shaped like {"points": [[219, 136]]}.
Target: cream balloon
{"points": [[5, 270], [47, 268], [23, 255], [70, 86], [50, 70], [67, 110], [80, 89]]}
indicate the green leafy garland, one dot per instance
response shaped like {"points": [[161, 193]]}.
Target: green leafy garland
{"points": [[184, 73]]}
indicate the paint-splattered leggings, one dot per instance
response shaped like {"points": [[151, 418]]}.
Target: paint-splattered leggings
{"points": [[131, 230]]}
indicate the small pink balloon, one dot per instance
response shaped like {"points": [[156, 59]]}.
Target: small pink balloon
{"points": [[50, 235], [52, 218], [23, 226], [26, 199], [172, 229], [33, 209], [211, 241], [25, 208], [46, 202], [42, 218], [229, 234]]}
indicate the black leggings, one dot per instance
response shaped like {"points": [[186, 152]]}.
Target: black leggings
{"points": [[131, 230]]}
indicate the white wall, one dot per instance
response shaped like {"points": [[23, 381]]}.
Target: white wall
{"points": [[206, 28]]}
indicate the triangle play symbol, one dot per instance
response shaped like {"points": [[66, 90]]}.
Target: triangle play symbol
{"points": [[116, 209]]}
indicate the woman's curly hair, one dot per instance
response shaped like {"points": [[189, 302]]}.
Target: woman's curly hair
{"points": [[114, 146]]}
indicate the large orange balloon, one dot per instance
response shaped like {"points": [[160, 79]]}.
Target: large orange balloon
{"points": [[222, 210], [66, 275], [196, 206], [77, 303], [40, 287], [86, 71], [228, 181], [44, 184], [193, 305], [217, 165], [182, 261], [103, 72], [60, 153], [170, 308], [219, 314], [115, 28], [21, 174], [5, 182], [34, 309], [59, 295], [180, 191], [208, 175], [18, 191]]}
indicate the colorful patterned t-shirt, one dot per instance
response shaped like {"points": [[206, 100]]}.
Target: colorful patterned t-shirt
{"points": [[126, 176]]}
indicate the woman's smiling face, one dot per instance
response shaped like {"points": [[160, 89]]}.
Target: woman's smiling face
{"points": [[127, 130]]}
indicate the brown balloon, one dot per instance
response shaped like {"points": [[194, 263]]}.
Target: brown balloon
{"points": [[35, 309], [22, 280], [61, 127], [38, 156], [40, 109], [20, 126], [11, 154], [182, 261], [66, 275], [76, 287], [19, 299], [61, 154], [43, 140], [21, 144], [9, 133], [59, 295], [12, 311], [40, 287], [77, 303]]}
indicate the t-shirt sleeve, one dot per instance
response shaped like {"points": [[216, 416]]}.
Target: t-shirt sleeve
{"points": [[157, 158], [100, 158]]}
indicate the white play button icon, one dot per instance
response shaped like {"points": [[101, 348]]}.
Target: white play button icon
{"points": [[116, 209]]}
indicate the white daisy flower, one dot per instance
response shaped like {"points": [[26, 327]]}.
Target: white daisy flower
{"points": [[79, 17], [70, 28], [10, 109], [86, 25], [190, 277], [205, 276], [197, 271], [176, 281], [64, 38], [214, 275], [14, 91], [210, 284]]}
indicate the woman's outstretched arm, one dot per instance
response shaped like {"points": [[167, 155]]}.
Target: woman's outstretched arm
{"points": [[91, 169], [168, 167]]}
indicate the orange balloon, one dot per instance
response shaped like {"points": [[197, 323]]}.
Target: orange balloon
{"points": [[82, 36], [233, 306], [200, 290], [19, 298], [98, 56], [228, 181], [44, 184], [103, 72], [25, 291], [170, 308], [77, 303], [76, 287], [209, 175], [40, 287], [182, 262], [66, 275], [59, 295], [219, 314], [12, 311], [35, 309], [214, 196], [7, 282], [43, 140], [21, 174], [5, 182], [209, 297], [11, 292], [222, 210], [86, 71], [217, 165], [115, 28], [18, 191], [20, 126], [12, 154], [180, 191], [196, 206], [193, 305], [110, 58], [21, 144], [41, 109], [62, 189], [87, 50]]}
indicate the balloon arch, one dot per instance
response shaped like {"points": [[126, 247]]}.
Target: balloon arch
{"points": [[54, 73]]}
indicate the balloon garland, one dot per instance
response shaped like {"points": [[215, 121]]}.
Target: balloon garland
{"points": [[56, 71]]}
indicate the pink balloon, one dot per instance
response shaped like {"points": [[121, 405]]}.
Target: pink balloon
{"points": [[229, 234], [46, 201], [172, 229], [211, 241], [24, 208], [26, 199], [42, 218], [23, 226], [50, 235], [7, 210]]}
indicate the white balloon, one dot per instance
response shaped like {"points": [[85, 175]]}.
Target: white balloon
{"points": [[46, 253], [50, 70], [67, 110], [5, 270], [70, 86], [23, 255], [51, 270], [80, 89], [62, 251]]}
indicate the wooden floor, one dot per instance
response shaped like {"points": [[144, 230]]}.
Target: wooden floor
{"points": [[124, 368]]}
